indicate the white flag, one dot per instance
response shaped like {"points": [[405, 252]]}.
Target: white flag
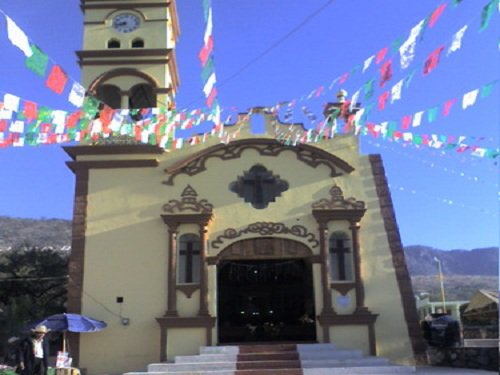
{"points": [[17, 127], [457, 40], [18, 37], [407, 49], [417, 118], [77, 95], [208, 29], [469, 98], [59, 119], [11, 102], [396, 91], [368, 62], [407, 136], [354, 100]]}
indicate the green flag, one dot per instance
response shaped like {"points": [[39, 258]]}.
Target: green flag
{"points": [[486, 14], [432, 114], [396, 44], [208, 69], [368, 88], [38, 61], [417, 139], [90, 106], [44, 114], [486, 89]]}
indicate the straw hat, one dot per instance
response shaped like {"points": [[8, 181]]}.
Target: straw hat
{"points": [[40, 329]]}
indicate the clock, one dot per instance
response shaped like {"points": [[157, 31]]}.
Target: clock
{"points": [[125, 22]]}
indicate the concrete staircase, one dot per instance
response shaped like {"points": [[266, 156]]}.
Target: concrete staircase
{"points": [[276, 359]]}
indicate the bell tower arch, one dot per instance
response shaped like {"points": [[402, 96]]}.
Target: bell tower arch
{"points": [[128, 55]]}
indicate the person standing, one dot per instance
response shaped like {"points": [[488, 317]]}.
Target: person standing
{"points": [[33, 353]]}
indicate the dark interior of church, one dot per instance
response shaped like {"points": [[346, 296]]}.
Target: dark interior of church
{"points": [[265, 300]]}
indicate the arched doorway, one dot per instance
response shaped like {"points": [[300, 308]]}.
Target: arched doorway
{"points": [[265, 292]]}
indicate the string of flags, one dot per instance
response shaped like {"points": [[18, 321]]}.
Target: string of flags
{"points": [[469, 99], [399, 188], [56, 78], [23, 122], [431, 163], [206, 57]]}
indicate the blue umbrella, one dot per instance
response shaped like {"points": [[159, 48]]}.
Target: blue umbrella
{"points": [[72, 323]]}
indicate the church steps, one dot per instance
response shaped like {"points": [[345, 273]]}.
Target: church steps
{"points": [[279, 359], [238, 357]]}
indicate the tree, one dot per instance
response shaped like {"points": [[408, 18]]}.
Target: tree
{"points": [[33, 285]]}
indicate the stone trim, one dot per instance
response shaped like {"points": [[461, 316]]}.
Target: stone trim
{"points": [[337, 201], [263, 248], [188, 289], [398, 259], [188, 202], [111, 164], [77, 257], [75, 151], [342, 288], [267, 229], [84, 5], [165, 323], [311, 156], [112, 53]]}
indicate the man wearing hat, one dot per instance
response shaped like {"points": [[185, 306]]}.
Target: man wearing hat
{"points": [[33, 353]]}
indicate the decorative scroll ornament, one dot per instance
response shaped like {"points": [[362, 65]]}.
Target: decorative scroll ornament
{"points": [[337, 201], [267, 229], [188, 202]]}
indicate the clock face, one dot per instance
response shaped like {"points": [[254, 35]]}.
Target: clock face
{"points": [[126, 23]]}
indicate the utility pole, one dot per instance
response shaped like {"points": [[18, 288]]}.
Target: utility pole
{"points": [[441, 282]]}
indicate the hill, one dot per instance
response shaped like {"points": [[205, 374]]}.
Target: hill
{"points": [[481, 262], [54, 233]]}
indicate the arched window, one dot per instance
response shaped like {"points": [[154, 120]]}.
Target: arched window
{"points": [[142, 96], [114, 43], [340, 257], [138, 43], [188, 266], [111, 95]]}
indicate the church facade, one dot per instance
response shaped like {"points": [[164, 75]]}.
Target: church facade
{"points": [[249, 241]]}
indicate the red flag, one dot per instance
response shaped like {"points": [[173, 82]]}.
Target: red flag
{"points": [[45, 128], [73, 119], [385, 72], [211, 97], [432, 60], [106, 115], [381, 55], [406, 121], [57, 79], [343, 78], [3, 125], [206, 50], [382, 100], [30, 110], [447, 106], [436, 14]]}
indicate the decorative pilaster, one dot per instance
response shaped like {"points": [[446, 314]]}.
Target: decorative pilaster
{"points": [[203, 271], [172, 270], [325, 279]]}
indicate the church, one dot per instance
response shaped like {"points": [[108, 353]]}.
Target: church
{"points": [[251, 241]]}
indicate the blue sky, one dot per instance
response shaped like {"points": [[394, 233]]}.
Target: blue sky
{"points": [[269, 51]]}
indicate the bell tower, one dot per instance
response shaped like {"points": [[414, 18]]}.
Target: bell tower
{"points": [[128, 56]]}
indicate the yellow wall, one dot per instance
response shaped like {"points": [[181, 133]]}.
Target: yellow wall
{"points": [[126, 251]]}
